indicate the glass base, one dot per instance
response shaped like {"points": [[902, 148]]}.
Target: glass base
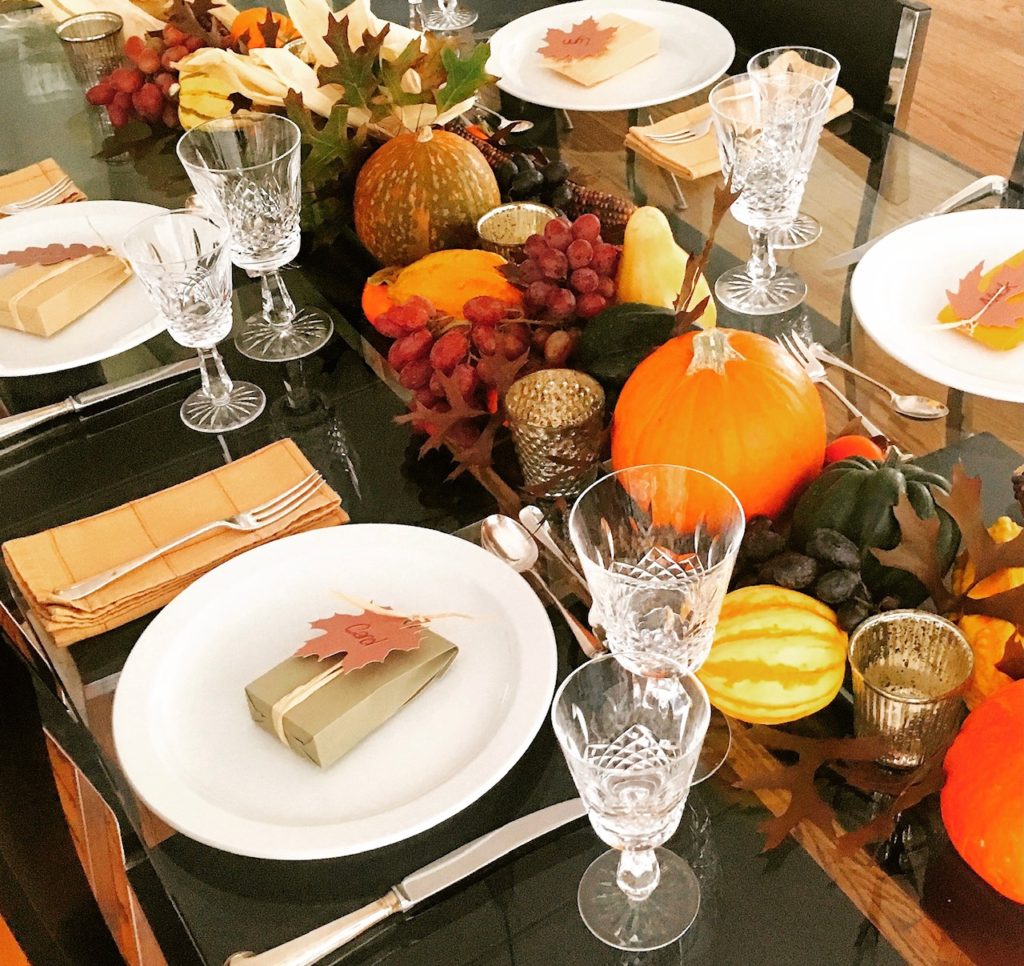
{"points": [[654, 922], [737, 291], [715, 749], [259, 340], [799, 233], [242, 405], [456, 19]]}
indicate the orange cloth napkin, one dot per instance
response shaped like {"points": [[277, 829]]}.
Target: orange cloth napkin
{"points": [[22, 184], [699, 158], [48, 561]]}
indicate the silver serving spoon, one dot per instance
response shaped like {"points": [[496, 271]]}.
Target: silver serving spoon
{"points": [[532, 517], [509, 540], [913, 407]]}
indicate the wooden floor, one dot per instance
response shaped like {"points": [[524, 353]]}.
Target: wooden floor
{"points": [[969, 101]]}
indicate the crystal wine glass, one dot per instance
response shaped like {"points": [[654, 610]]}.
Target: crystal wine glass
{"points": [[245, 168], [631, 743], [823, 67], [657, 544], [767, 137], [181, 258], [449, 16]]}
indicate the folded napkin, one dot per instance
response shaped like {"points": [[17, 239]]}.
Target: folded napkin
{"points": [[48, 561], [22, 184], [699, 158]]}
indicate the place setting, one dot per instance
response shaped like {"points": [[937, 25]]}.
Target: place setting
{"points": [[715, 605]]}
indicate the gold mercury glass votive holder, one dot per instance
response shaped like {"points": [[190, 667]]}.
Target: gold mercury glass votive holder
{"points": [[909, 670], [93, 43], [504, 229], [557, 421]]}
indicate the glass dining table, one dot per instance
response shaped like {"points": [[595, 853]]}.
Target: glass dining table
{"points": [[183, 902]]}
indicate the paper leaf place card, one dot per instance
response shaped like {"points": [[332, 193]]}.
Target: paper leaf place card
{"points": [[596, 50], [363, 638], [989, 306], [52, 254]]}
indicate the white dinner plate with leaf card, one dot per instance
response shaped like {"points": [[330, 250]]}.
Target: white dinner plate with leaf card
{"points": [[187, 743], [123, 320], [900, 286], [694, 50]]}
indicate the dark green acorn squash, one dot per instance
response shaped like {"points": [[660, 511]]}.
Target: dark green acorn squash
{"points": [[856, 496]]}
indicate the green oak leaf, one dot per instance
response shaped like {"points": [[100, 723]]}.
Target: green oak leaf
{"points": [[391, 73], [331, 148], [465, 76]]}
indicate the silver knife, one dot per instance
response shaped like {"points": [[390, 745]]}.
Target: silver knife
{"points": [[991, 184], [431, 879], [12, 425]]}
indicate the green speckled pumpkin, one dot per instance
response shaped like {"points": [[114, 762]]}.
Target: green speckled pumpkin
{"points": [[421, 193], [856, 496]]}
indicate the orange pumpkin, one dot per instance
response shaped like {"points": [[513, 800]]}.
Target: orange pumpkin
{"points": [[733, 404], [419, 193], [987, 636], [778, 655], [983, 798], [448, 279], [246, 27]]}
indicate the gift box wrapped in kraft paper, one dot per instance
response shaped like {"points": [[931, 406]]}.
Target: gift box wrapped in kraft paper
{"points": [[322, 711]]}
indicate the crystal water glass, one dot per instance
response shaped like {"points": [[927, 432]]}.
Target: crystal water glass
{"points": [[182, 260], [822, 66], [657, 544], [449, 16], [767, 137], [631, 743], [246, 169]]}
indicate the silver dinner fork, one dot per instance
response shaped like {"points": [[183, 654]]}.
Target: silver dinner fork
{"points": [[814, 368], [275, 509], [682, 136], [39, 200]]}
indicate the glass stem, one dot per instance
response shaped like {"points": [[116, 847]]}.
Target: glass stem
{"points": [[762, 265], [638, 873], [216, 382], [278, 307], [415, 16]]}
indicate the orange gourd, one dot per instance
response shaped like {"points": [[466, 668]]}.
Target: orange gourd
{"points": [[246, 27], [983, 798], [987, 635], [419, 193], [778, 655], [730, 403], [447, 279]]}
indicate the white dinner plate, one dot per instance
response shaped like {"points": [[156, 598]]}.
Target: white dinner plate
{"points": [[123, 320], [695, 50], [188, 746], [899, 288]]}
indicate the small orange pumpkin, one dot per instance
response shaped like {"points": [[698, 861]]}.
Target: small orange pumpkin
{"points": [[447, 279], [420, 193], [733, 404], [983, 799], [246, 27]]}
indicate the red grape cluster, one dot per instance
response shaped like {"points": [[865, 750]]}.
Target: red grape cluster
{"points": [[569, 272], [147, 90]]}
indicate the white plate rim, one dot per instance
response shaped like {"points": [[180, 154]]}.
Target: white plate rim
{"points": [[883, 257], [145, 330], [573, 9], [244, 836]]}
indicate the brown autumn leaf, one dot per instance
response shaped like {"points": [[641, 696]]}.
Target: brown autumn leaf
{"points": [[50, 255], [363, 638], [916, 552], [1012, 662], [585, 39]]}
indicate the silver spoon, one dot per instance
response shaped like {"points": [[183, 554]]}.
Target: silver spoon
{"points": [[514, 126], [509, 540], [913, 407], [532, 517]]}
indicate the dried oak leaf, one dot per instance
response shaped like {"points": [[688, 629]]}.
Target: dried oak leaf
{"points": [[188, 17], [363, 638], [1012, 662], [917, 552], [50, 255], [585, 39], [971, 296], [356, 70]]}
